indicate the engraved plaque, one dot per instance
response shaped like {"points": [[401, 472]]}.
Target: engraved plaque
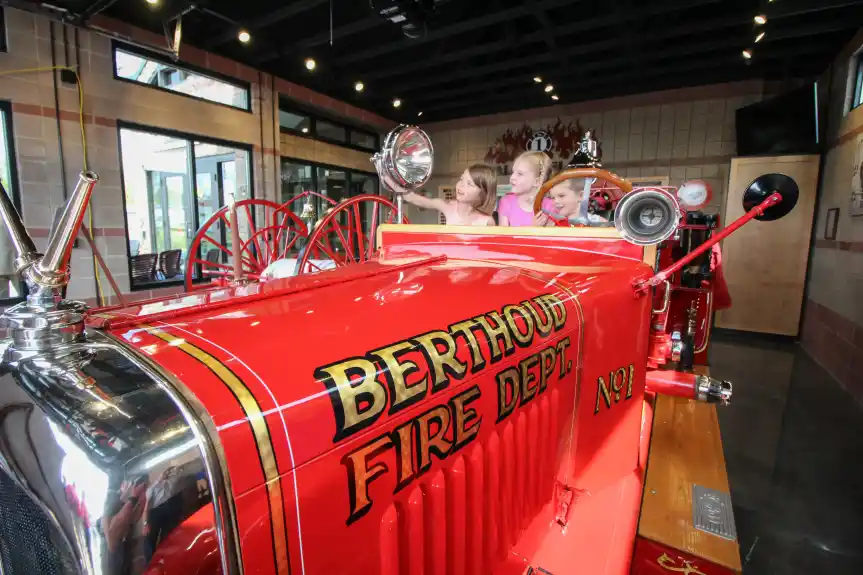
{"points": [[712, 512]]}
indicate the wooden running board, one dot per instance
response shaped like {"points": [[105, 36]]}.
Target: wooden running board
{"points": [[685, 450]]}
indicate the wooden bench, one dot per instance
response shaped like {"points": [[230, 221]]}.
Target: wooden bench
{"points": [[685, 449]]}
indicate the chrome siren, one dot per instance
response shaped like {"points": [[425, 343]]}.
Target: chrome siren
{"points": [[647, 217], [405, 163]]}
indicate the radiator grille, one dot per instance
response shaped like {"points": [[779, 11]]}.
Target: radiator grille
{"points": [[29, 543]]}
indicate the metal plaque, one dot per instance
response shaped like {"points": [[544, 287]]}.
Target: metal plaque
{"points": [[712, 512]]}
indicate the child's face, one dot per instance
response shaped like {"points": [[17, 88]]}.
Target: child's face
{"points": [[466, 191], [524, 179], [566, 199]]}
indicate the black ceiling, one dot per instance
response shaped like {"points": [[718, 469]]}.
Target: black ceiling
{"points": [[480, 56]]}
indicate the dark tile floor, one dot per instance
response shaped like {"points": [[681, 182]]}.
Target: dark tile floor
{"points": [[793, 441]]}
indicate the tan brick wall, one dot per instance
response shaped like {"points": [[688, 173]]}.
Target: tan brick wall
{"points": [[107, 101], [679, 134]]}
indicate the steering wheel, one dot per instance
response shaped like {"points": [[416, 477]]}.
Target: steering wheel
{"points": [[597, 173]]}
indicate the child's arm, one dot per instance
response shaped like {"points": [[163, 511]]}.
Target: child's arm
{"points": [[424, 202]]}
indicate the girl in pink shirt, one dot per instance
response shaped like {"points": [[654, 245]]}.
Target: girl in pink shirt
{"points": [[529, 172]]}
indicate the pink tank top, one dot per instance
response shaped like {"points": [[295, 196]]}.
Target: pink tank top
{"points": [[508, 206]]}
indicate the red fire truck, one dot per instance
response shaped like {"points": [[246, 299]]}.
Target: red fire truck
{"points": [[464, 401]]}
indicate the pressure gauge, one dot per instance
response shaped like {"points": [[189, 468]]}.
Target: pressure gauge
{"points": [[694, 194]]}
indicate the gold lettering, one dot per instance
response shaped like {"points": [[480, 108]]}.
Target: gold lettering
{"points": [[404, 453], [602, 392], [549, 358], [358, 398], [565, 365], [494, 333], [631, 379], [444, 363], [360, 475], [396, 372], [507, 381], [463, 417], [432, 442], [523, 339], [465, 328], [527, 377], [543, 327], [557, 308], [618, 380]]}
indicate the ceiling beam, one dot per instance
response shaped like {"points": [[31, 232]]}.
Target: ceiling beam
{"points": [[583, 25], [727, 42], [471, 25], [288, 11], [354, 27]]}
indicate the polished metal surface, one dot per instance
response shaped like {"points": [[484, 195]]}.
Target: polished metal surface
{"points": [[53, 269], [25, 250], [712, 512], [407, 159], [713, 390], [108, 463], [647, 216]]}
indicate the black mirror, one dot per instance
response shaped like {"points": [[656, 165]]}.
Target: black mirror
{"points": [[761, 188]]}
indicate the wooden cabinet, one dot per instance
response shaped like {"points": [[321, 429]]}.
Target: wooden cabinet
{"points": [[765, 262]]}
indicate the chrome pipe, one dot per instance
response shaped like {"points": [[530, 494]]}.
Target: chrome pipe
{"points": [[24, 247], [53, 269]]}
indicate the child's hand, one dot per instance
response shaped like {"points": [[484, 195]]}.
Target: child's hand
{"points": [[541, 219]]}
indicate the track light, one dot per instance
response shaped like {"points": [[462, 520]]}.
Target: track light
{"points": [[761, 19], [311, 64], [153, 2], [419, 114], [537, 79], [243, 36], [747, 54], [555, 97], [760, 37], [359, 86], [549, 88], [397, 103]]}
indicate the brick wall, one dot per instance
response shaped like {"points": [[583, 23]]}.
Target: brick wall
{"points": [[107, 101], [833, 317], [677, 134]]}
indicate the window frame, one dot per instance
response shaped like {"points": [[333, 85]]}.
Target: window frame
{"points": [[857, 94], [4, 45], [286, 105], [9, 136], [182, 66], [349, 172], [190, 139]]}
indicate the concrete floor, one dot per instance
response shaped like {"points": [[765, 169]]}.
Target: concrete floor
{"points": [[793, 441]]}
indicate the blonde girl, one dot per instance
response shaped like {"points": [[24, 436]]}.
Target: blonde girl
{"points": [[475, 196], [529, 171]]}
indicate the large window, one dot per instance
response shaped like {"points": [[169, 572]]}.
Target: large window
{"points": [[140, 67], [10, 283], [172, 184], [330, 181], [858, 81], [295, 121]]}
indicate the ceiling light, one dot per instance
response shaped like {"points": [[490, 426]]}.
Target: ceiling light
{"points": [[747, 54], [549, 88], [537, 79], [305, 130], [761, 19], [152, 2], [760, 37], [243, 36], [359, 86], [310, 64], [419, 114], [397, 103], [555, 97]]}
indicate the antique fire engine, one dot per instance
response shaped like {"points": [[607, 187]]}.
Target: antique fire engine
{"points": [[468, 401]]}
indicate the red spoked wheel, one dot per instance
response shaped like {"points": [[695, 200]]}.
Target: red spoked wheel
{"points": [[268, 232], [347, 234]]}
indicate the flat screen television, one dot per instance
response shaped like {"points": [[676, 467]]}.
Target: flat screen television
{"points": [[785, 124]]}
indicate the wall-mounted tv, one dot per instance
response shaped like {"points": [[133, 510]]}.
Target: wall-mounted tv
{"points": [[785, 124]]}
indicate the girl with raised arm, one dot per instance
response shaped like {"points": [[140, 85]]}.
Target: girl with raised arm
{"points": [[475, 196]]}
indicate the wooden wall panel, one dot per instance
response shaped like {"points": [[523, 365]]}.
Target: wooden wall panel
{"points": [[765, 262]]}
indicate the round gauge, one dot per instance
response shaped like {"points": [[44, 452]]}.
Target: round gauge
{"points": [[694, 194], [650, 216]]}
